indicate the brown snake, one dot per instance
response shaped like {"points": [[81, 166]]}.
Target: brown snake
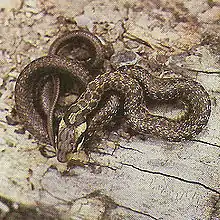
{"points": [[133, 85]]}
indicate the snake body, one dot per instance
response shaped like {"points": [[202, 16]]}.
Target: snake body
{"points": [[126, 81], [38, 88]]}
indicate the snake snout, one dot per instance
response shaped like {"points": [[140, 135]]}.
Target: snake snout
{"points": [[66, 144], [62, 156]]}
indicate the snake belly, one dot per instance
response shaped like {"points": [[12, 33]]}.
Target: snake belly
{"points": [[126, 81]]}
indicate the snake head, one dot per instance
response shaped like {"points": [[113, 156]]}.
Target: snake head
{"points": [[69, 140]]}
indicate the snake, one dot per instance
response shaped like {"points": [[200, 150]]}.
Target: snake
{"points": [[41, 81], [133, 83]]}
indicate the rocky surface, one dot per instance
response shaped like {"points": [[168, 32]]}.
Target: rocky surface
{"points": [[124, 178]]}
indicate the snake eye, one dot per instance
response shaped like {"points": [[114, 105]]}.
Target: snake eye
{"points": [[73, 147]]}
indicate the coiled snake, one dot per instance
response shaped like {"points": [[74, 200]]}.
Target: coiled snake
{"points": [[133, 85]]}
